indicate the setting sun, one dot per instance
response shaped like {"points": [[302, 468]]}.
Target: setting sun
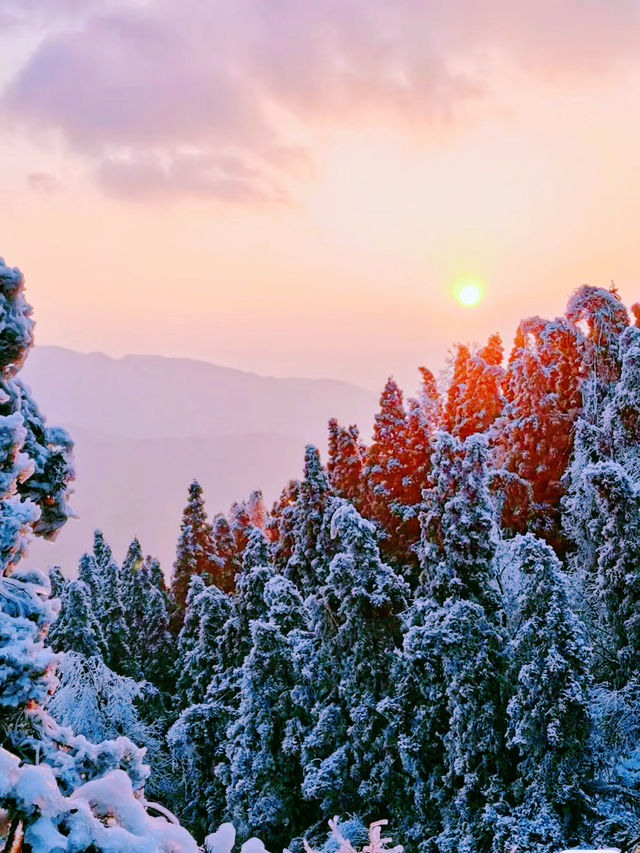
{"points": [[468, 291]]}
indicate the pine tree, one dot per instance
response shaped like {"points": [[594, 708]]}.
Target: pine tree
{"points": [[533, 439], [158, 652], [193, 553], [304, 563], [265, 772], [474, 398], [614, 586], [599, 318], [76, 628], [457, 525], [388, 472], [470, 651], [345, 463], [548, 713], [58, 582], [356, 623], [116, 633]]}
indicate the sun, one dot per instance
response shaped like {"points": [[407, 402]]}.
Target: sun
{"points": [[468, 291]]}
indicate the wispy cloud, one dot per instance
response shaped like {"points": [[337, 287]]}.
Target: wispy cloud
{"points": [[185, 97]]}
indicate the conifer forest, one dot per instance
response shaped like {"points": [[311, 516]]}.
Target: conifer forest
{"points": [[439, 628]]}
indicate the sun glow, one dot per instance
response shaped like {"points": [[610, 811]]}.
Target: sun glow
{"points": [[468, 291]]}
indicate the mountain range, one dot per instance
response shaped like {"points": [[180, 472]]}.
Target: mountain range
{"points": [[144, 426]]}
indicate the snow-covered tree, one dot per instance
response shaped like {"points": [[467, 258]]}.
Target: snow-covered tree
{"points": [[114, 625], [57, 790], [458, 542], [533, 439], [265, 771], [304, 564], [600, 318], [474, 397], [549, 721], [76, 629], [469, 647], [345, 462], [193, 551], [357, 626]]}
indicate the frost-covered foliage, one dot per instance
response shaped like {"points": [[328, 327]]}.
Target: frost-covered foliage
{"points": [[442, 627], [58, 791]]}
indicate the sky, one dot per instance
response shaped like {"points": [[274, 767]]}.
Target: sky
{"points": [[295, 187]]}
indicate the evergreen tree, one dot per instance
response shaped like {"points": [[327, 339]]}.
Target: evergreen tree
{"points": [[58, 582], [188, 636], [193, 553], [474, 397], [470, 647], [198, 738], [599, 318], [265, 772], [158, 652], [548, 713], [621, 417], [533, 439], [389, 475], [212, 607], [356, 624], [116, 633], [256, 552], [614, 586], [304, 564], [345, 464], [76, 628], [88, 574], [257, 509], [457, 525], [225, 562]]}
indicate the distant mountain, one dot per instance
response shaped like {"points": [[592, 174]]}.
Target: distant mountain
{"points": [[144, 426]]}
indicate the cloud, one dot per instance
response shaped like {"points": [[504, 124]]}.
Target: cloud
{"points": [[43, 183], [133, 87]]}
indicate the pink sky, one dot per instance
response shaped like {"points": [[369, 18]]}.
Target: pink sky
{"points": [[293, 186]]}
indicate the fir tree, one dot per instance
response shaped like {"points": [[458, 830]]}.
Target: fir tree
{"points": [[457, 540], [533, 439], [474, 398], [304, 565], [345, 463], [614, 587], [599, 318], [548, 712], [116, 633], [77, 629], [357, 626], [193, 553], [225, 563], [389, 476], [265, 772]]}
